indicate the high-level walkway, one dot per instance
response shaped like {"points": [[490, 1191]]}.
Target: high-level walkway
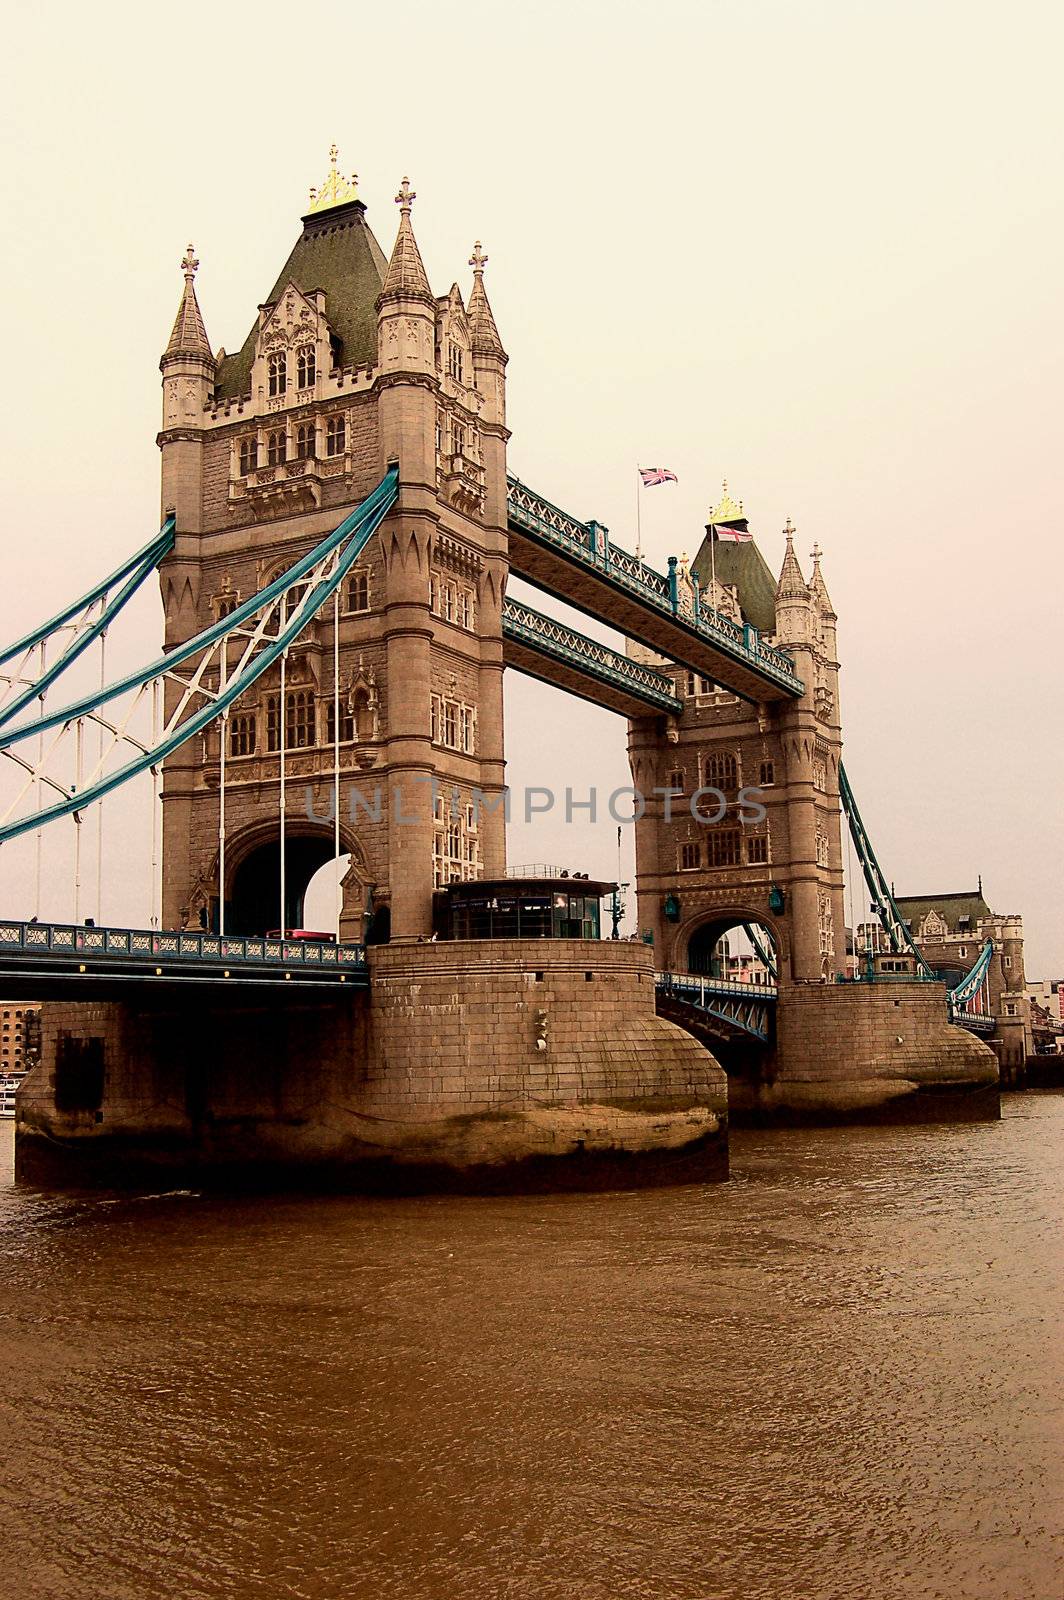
{"points": [[578, 563]]}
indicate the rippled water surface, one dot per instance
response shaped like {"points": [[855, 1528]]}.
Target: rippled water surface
{"points": [[839, 1375]]}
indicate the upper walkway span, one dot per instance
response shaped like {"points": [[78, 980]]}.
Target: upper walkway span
{"points": [[577, 562]]}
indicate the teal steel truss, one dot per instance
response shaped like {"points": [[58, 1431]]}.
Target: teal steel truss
{"points": [[742, 1007], [30, 666], [142, 718]]}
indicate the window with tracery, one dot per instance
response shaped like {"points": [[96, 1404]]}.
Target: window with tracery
{"points": [[277, 369], [242, 733], [722, 772], [357, 593], [306, 366], [305, 441], [276, 448], [335, 436], [249, 455]]}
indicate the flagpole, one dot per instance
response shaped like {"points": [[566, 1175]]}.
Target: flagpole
{"points": [[713, 566], [638, 507]]}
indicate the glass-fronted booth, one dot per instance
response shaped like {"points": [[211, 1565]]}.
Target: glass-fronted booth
{"points": [[529, 903]]}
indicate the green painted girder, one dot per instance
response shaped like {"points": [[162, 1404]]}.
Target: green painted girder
{"points": [[578, 562], [547, 649]]}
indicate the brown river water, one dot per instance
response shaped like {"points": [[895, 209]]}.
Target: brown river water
{"points": [[839, 1375]]}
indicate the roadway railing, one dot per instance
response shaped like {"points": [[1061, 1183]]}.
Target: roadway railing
{"points": [[563, 644], [693, 986], [73, 944]]}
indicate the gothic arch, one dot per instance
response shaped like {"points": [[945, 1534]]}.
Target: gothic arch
{"points": [[252, 870], [724, 918]]}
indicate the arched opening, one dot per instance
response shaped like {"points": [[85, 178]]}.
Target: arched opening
{"points": [[735, 950], [314, 876]]}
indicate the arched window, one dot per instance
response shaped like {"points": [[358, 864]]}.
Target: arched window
{"points": [[277, 367], [335, 436], [306, 366], [275, 448], [347, 723], [249, 455], [305, 441], [722, 772], [358, 590], [299, 719]]}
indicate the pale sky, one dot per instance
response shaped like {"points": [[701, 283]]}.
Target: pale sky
{"points": [[814, 248]]}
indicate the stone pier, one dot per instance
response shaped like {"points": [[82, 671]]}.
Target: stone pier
{"points": [[484, 1065]]}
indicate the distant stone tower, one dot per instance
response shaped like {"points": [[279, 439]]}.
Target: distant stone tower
{"points": [[782, 872], [352, 363]]}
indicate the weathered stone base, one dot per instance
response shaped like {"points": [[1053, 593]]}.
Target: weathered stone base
{"points": [[857, 1053], [474, 1067]]}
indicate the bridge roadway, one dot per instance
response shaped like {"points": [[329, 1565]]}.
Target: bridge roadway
{"points": [[42, 961], [715, 1006], [577, 563], [543, 648]]}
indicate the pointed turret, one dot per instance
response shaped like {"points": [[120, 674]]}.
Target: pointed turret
{"points": [[486, 339], [189, 336], [791, 585], [406, 276], [818, 588]]}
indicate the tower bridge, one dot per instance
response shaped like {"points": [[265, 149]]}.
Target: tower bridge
{"points": [[338, 526]]}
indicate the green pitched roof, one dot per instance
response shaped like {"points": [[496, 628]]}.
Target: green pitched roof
{"points": [[952, 908], [743, 567], [336, 252]]}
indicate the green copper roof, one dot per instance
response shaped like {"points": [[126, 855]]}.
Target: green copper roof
{"points": [[742, 566], [336, 252], [952, 908]]}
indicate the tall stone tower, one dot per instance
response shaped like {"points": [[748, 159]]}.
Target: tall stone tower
{"points": [[352, 363], [781, 870]]}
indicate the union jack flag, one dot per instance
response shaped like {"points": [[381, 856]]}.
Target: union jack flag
{"points": [[653, 475]]}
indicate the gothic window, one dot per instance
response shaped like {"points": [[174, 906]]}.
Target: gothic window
{"points": [[277, 368], [465, 608], [724, 847], [453, 724], [450, 602], [820, 774], [305, 441], [697, 684], [455, 365], [821, 848], [768, 774], [722, 772], [306, 367], [677, 781], [335, 436], [358, 591], [458, 436], [273, 727], [275, 448], [299, 719], [690, 857], [226, 604], [757, 849], [439, 436], [242, 733], [249, 456], [347, 723]]}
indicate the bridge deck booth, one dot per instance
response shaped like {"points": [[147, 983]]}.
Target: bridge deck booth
{"points": [[531, 907]]}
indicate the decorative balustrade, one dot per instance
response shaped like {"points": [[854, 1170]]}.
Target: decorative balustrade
{"points": [[590, 542], [74, 944]]}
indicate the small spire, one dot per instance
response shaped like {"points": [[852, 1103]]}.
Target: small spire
{"points": [[485, 334], [817, 587], [189, 335], [406, 271], [336, 189], [791, 585]]}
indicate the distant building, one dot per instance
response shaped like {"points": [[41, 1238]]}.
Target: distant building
{"points": [[20, 1035], [951, 930]]}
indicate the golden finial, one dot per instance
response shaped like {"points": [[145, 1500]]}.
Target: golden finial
{"points": [[405, 198], [478, 261], [189, 264], [726, 509], [336, 190]]}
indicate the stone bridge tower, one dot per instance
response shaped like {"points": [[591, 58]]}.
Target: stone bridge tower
{"points": [[780, 869], [352, 362]]}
